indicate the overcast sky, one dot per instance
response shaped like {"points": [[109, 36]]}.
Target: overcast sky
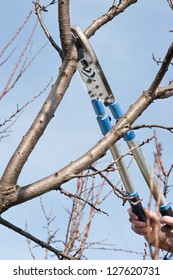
{"points": [[124, 48]]}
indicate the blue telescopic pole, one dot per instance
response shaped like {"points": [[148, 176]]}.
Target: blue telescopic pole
{"points": [[105, 126]]}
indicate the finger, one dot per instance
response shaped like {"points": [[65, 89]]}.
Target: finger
{"points": [[167, 220], [137, 223], [167, 229], [151, 215], [139, 230], [132, 215]]}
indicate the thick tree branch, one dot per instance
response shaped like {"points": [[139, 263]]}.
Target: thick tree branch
{"points": [[65, 27], [113, 12], [46, 113]]}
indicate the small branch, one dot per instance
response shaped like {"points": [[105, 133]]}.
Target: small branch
{"points": [[16, 34], [115, 189], [169, 128], [162, 71], [160, 165], [158, 61], [49, 220], [8, 87], [164, 92], [18, 110], [8, 57], [110, 247], [38, 10], [18, 230], [29, 243], [44, 8], [6, 129], [25, 67], [157, 165], [80, 198], [86, 191]]}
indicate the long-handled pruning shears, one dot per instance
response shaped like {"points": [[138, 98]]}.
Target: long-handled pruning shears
{"points": [[101, 96]]}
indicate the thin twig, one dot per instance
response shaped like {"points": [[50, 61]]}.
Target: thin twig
{"points": [[18, 110], [80, 198], [6, 129], [16, 34], [162, 71], [169, 128], [25, 67], [8, 87], [29, 243], [8, 57], [49, 220], [159, 60]]}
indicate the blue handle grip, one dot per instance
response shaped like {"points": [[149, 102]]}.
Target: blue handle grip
{"points": [[166, 210]]}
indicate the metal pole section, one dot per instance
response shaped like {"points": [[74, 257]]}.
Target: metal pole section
{"points": [[122, 169], [145, 170]]}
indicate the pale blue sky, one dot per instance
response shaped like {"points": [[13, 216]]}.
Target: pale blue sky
{"points": [[124, 48]]}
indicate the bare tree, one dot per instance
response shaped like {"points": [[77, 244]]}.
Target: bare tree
{"points": [[11, 194]]}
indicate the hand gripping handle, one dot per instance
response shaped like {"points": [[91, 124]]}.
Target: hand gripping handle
{"points": [[137, 208]]}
